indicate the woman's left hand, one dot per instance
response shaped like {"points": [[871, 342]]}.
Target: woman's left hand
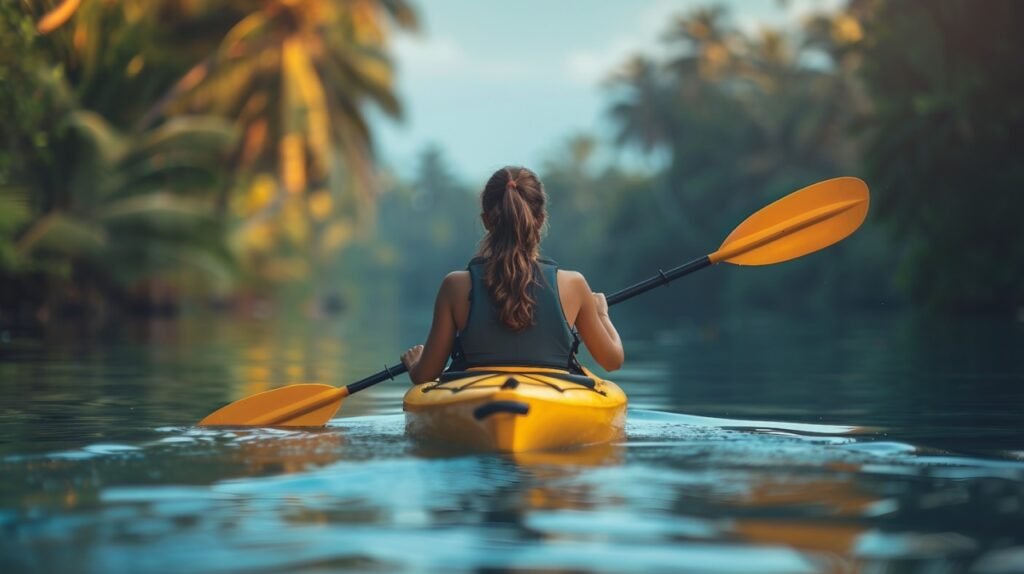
{"points": [[412, 356]]}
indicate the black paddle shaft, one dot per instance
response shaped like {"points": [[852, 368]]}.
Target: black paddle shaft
{"points": [[662, 278], [386, 374]]}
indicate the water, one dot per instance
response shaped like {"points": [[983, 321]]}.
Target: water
{"points": [[761, 444]]}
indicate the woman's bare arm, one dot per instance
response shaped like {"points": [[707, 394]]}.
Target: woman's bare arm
{"points": [[426, 362], [595, 327]]}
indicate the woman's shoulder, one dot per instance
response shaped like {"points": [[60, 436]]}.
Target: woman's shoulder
{"points": [[456, 283], [571, 279], [456, 278]]}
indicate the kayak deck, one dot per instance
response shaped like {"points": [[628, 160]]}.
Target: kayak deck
{"points": [[513, 409]]}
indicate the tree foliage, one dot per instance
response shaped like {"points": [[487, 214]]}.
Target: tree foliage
{"points": [[120, 164], [230, 137], [741, 118], [942, 151]]}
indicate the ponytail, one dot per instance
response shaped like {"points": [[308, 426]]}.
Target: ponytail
{"points": [[513, 203]]}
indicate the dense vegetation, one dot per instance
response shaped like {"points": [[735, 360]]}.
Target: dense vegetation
{"points": [[154, 149], [141, 168], [914, 97], [943, 147]]}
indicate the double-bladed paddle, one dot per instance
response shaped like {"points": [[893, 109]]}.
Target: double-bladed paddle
{"points": [[803, 222]]}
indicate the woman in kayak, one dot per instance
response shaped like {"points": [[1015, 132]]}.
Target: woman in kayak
{"points": [[510, 306]]}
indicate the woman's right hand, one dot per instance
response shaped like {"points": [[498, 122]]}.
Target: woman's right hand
{"points": [[412, 356], [600, 304]]}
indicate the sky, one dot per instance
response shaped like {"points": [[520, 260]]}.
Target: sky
{"points": [[504, 83]]}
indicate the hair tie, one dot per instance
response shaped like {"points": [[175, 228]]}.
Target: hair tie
{"points": [[512, 184]]}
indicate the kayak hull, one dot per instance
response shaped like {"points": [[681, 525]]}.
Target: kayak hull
{"points": [[516, 410]]}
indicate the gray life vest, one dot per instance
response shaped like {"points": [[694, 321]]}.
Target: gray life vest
{"points": [[485, 341]]}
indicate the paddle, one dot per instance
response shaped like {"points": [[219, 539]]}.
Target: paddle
{"points": [[803, 222]]}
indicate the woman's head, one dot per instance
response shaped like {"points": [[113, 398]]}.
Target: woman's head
{"points": [[514, 212]]}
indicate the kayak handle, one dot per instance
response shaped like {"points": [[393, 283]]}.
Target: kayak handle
{"points": [[510, 407]]}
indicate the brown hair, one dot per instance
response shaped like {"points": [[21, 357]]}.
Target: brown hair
{"points": [[514, 213]]}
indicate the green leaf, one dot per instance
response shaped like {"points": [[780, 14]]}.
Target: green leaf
{"points": [[108, 144], [64, 234], [159, 208], [199, 134], [14, 210]]}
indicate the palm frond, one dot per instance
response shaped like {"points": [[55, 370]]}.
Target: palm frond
{"points": [[161, 208], [106, 142], [204, 134], [402, 13], [63, 234]]}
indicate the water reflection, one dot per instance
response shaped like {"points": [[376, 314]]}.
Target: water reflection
{"points": [[820, 515], [719, 498], [287, 455], [833, 459]]}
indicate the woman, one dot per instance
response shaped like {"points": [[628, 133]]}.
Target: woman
{"points": [[511, 307]]}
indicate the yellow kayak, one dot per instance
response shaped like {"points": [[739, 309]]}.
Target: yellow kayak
{"points": [[516, 409]]}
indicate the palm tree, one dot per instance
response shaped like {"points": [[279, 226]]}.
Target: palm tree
{"points": [[704, 39], [643, 110], [135, 206], [295, 77], [802, 113]]}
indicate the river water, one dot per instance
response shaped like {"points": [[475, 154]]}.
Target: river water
{"points": [[762, 443]]}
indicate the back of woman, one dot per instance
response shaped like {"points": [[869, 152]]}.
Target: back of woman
{"points": [[486, 340], [510, 306]]}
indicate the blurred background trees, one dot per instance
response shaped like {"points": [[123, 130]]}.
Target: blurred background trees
{"points": [[158, 148], [941, 147], [162, 151]]}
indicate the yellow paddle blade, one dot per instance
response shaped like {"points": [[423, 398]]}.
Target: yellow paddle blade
{"points": [[800, 223], [307, 405]]}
